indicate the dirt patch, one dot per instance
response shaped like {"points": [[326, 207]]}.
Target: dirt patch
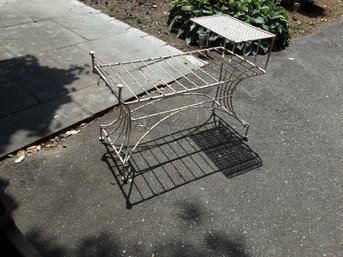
{"points": [[311, 17], [147, 15], [151, 16]]}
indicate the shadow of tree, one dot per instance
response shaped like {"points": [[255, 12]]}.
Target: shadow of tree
{"points": [[222, 245], [12, 241], [214, 244], [47, 246], [99, 245], [105, 244], [9, 201], [191, 213], [310, 10], [27, 84], [102, 245]]}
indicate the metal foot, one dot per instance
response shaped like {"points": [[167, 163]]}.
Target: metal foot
{"points": [[245, 136], [125, 174], [128, 205]]}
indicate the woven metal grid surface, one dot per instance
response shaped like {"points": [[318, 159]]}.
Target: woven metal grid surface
{"points": [[232, 28]]}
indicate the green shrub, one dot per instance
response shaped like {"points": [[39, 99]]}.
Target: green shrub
{"points": [[261, 13]]}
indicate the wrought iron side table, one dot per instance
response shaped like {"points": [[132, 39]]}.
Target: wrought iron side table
{"points": [[182, 75]]}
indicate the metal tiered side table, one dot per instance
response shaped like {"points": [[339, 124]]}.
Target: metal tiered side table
{"points": [[145, 82]]}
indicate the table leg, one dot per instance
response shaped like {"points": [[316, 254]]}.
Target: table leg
{"points": [[121, 128], [225, 94]]}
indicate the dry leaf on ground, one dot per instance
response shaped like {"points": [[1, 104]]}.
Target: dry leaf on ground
{"points": [[72, 132], [33, 149], [21, 156]]}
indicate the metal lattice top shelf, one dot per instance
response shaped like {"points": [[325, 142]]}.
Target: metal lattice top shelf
{"points": [[232, 28], [180, 73]]}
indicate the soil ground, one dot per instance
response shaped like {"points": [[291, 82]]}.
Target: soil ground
{"points": [[151, 16]]}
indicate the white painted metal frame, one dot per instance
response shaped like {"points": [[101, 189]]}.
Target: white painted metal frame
{"points": [[175, 75]]}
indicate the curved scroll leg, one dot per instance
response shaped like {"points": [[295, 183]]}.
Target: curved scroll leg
{"points": [[219, 88], [244, 123], [127, 173], [101, 137], [225, 94], [120, 128], [218, 94], [116, 123], [124, 150]]}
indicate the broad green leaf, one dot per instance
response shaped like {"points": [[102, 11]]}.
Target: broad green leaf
{"points": [[187, 8], [180, 32], [258, 20]]}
